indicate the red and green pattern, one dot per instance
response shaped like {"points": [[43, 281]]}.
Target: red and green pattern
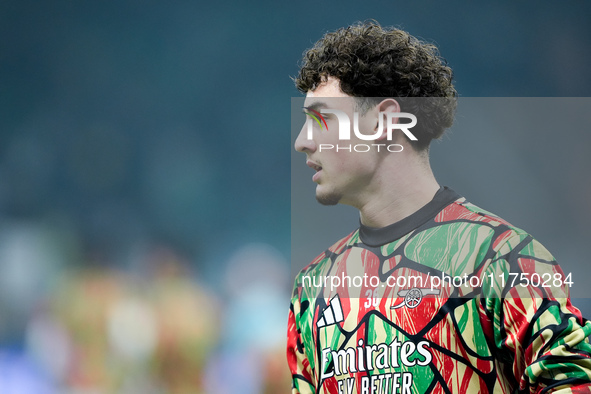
{"points": [[497, 337]]}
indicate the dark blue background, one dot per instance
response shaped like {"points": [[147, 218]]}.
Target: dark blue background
{"points": [[127, 122]]}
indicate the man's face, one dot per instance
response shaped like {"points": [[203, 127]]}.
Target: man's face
{"points": [[342, 176]]}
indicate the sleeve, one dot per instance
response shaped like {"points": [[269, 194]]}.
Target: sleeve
{"points": [[536, 332], [299, 365]]}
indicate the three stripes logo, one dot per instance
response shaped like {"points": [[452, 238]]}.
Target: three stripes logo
{"points": [[332, 314]]}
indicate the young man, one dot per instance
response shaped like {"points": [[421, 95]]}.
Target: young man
{"points": [[431, 293]]}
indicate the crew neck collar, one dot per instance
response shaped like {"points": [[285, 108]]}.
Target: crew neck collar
{"points": [[372, 236]]}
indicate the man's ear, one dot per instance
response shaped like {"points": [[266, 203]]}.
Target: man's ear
{"points": [[388, 105]]}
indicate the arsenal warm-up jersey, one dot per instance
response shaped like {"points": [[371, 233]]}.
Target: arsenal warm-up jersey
{"points": [[451, 299]]}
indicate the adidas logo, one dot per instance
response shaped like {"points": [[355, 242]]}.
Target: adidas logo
{"points": [[332, 314]]}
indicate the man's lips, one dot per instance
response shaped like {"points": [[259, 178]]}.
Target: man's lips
{"points": [[315, 167]]}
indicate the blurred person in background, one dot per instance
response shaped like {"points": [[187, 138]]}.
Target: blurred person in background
{"points": [[252, 341], [107, 331]]}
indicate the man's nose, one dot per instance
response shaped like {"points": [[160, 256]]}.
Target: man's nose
{"points": [[303, 143]]}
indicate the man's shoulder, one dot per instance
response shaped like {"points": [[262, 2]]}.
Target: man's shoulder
{"points": [[503, 237], [463, 210], [335, 249]]}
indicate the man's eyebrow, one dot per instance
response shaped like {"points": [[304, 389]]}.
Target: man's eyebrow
{"points": [[316, 106]]}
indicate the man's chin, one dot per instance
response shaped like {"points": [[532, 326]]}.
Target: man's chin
{"points": [[328, 198]]}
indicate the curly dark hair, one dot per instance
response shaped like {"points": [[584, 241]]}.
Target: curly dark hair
{"points": [[372, 62]]}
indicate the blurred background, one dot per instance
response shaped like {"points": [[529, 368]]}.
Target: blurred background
{"points": [[145, 204]]}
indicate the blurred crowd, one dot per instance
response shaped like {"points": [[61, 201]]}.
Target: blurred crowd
{"points": [[154, 329]]}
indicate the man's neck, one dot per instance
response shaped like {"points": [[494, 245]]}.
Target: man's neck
{"points": [[400, 197]]}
